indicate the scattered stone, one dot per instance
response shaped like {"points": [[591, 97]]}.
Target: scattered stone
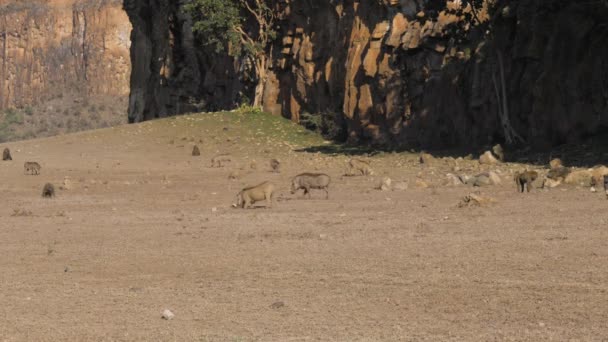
{"points": [[453, 180], [401, 186], [593, 189], [234, 175], [277, 305], [66, 184], [421, 184], [488, 159], [253, 165], [551, 183], [385, 184], [21, 213], [214, 209], [426, 158], [167, 314], [581, 178], [475, 199], [494, 178]]}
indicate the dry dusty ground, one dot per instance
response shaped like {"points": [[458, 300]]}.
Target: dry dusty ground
{"points": [[137, 234]]}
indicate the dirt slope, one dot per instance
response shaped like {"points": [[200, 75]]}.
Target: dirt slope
{"points": [[137, 234]]}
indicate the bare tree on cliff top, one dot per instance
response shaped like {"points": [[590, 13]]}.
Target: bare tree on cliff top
{"points": [[223, 25]]}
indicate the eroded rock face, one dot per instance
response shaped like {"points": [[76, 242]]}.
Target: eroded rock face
{"points": [[72, 48], [393, 76], [401, 80], [172, 74]]}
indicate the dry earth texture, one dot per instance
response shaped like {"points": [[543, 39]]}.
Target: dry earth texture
{"points": [[140, 226]]}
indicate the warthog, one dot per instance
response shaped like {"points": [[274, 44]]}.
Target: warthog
{"points": [[248, 196], [48, 190], [6, 155], [358, 167], [31, 168], [308, 181], [220, 159]]}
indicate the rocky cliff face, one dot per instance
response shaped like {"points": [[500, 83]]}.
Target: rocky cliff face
{"points": [[171, 74], [392, 74], [62, 48], [395, 76], [398, 79]]}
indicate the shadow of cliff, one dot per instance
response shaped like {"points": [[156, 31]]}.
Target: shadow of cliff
{"points": [[592, 152]]}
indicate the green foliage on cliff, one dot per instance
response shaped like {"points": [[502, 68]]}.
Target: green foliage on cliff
{"points": [[243, 28], [214, 22], [219, 24]]}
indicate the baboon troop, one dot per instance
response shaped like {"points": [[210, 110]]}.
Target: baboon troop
{"points": [[31, 168], [195, 151], [6, 155], [525, 179], [308, 181], [220, 160], [249, 195], [275, 165], [48, 191]]}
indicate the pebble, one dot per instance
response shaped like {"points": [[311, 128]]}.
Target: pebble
{"points": [[167, 314]]}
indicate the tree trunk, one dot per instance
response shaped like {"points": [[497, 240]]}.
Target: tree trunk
{"points": [[258, 100], [511, 135]]}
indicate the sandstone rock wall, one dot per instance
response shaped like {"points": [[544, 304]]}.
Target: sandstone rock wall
{"points": [[402, 80], [51, 49], [171, 73]]}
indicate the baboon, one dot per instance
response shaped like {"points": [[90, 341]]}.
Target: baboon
{"points": [[249, 195], [358, 167], [606, 185], [559, 172], [6, 155], [195, 151], [32, 167], [556, 163], [308, 181], [275, 165], [48, 191], [220, 159], [525, 179], [499, 152]]}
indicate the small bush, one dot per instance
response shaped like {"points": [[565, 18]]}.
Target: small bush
{"points": [[328, 124], [29, 111], [95, 117], [11, 116]]}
